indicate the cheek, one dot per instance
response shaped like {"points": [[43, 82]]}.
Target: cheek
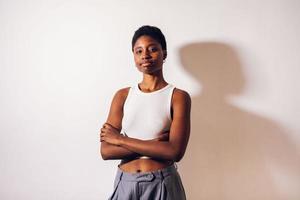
{"points": [[135, 59], [136, 62], [160, 59], [160, 56]]}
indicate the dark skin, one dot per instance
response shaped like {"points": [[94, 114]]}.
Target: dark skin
{"points": [[170, 146]]}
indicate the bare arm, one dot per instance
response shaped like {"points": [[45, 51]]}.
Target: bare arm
{"points": [[111, 151], [118, 152], [173, 149]]}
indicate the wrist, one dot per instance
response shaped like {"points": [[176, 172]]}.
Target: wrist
{"points": [[122, 139]]}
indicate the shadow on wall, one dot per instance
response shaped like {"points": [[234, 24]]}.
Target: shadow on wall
{"points": [[232, 154]]}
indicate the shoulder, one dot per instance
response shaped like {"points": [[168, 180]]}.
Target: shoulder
{"points": [[121, 94], [181, 96]]}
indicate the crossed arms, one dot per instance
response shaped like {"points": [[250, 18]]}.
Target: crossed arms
{"points": [[170, 146]]}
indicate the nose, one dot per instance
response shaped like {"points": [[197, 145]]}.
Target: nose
{"points": [[146, 55]]}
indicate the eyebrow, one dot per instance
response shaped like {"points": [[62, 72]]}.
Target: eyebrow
{"points": [[151, 44]]}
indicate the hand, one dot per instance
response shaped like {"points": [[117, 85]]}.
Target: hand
{"points": [[162, 136], [110, 134]]}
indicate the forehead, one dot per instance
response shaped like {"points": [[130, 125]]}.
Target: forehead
{"points": [[145, 40]]}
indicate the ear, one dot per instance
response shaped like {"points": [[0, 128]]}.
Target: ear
{"points": [[165, 54]]}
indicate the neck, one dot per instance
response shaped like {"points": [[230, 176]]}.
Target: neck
{"points": [[153, 82]]}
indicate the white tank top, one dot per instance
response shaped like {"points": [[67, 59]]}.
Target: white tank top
{"points": [[146, 115]]}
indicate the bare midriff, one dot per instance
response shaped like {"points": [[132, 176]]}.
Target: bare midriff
{"points": [[143, 165]]}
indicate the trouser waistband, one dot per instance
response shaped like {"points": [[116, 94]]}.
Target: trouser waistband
{"points": [[147, 176]]}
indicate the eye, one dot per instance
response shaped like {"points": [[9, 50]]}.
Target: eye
{"points": [[138, 51], [153, 49]]}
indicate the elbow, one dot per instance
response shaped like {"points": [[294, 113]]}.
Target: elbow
{"points": [[104, 154], [176, 156], [175, 152], [177, 159]]}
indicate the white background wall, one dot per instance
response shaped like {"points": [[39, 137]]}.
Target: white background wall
{"points": [[62, 61]]}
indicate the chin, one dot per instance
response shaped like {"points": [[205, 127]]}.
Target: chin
{"points": [[151, 72]]}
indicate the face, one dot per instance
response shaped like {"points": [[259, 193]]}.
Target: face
{"points": [[148, 55]]}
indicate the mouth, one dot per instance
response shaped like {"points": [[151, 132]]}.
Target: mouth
{"points": [[146, 63]]}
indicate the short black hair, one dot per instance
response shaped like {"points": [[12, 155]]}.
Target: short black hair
{"points": [[151, 31]]}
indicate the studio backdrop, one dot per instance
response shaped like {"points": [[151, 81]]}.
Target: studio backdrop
{"points": [[62, 61]]}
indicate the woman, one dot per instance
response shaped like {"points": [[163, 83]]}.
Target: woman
{"points": [[148, 127]]}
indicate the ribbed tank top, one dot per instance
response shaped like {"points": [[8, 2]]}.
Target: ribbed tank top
{"points": [[146, 115]]}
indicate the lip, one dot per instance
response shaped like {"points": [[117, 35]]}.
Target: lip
{"points": [[146, 63]]}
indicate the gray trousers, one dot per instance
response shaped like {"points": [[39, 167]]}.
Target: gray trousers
{"points": [[164, 184]]}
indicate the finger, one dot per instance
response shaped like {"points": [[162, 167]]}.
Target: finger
{"points": [[104, 130], [109, 126], [164, 132], [164, 137], [106, 125], [157, 138]]}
